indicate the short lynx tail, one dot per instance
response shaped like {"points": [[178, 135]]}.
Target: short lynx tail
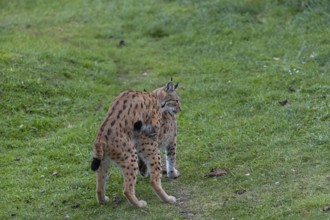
{"points": [[95, 164], [138, 126]]}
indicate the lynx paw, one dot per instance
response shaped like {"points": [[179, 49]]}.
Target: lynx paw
{"points": [[171, 199], [142, 204], [103, 201], [173, 174]]}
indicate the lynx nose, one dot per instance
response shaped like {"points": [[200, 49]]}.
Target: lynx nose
{"points": [[178, 109]]}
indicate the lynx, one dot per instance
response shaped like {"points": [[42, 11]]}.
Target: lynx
{"points": [[133, 130]]}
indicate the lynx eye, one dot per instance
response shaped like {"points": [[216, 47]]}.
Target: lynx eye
{"points": [[173, 101]]}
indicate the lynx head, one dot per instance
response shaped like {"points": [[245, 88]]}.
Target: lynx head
{"points": [[169, 99]]}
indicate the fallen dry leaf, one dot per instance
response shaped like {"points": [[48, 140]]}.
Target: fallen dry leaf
{"points": [[75, 206], [284, 102], [306, 214], [240, 191], [326, 208], [121, 43], [291, 89], [328, 177], [217, 172], [116, 200]]}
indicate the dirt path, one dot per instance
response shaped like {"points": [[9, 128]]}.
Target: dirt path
{"points": [[183, 199]]}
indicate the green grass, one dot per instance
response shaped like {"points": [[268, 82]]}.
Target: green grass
{"points": [[61, 66]]}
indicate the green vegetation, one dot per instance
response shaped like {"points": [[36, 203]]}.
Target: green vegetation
{"points": [[254, 83]]}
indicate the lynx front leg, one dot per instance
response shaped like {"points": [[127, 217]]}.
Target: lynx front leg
{"points": [[155, 180], [101, 178], [171, 171], [149, 152]]}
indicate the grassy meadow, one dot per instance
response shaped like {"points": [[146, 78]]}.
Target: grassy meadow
{"points": [[254, 85]]}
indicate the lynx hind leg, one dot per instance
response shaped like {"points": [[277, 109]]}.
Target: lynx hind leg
{"points": [[171, 171], [149, 152], [101, 178], [143, 168], [129, 167]]}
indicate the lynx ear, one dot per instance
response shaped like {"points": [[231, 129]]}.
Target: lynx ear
{"points": [[170, 87]]}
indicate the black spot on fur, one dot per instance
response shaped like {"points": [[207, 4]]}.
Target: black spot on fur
{"points": [[137, 126], [95, 164]]}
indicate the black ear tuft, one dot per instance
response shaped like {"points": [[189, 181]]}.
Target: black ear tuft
{"points": [[137, 126], [95, 164], [176, 85]]}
